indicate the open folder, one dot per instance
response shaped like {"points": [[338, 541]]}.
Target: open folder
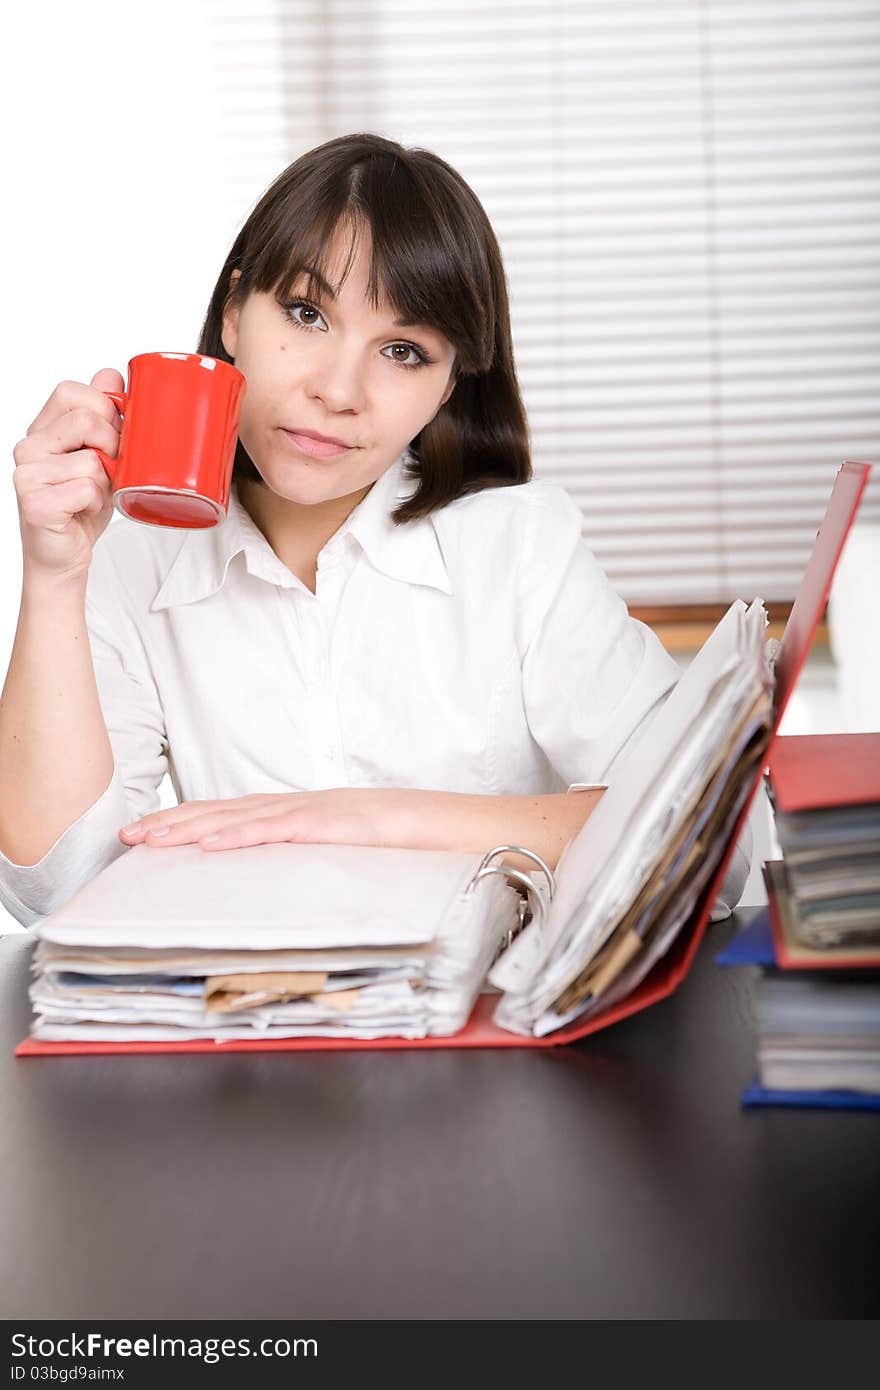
{"points": [[363, 947]]}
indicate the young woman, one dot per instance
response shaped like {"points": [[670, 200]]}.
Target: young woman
{"points": [[396, 637]]}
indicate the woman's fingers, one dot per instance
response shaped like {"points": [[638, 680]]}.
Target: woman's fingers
{"points": [[185, 831], [261, 830], [174, 819]]}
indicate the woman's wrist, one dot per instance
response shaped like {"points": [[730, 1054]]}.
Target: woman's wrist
{"points": [[476, 823], [41, 590]]}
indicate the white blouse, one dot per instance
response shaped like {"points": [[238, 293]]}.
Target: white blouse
{"points": [[481, 649]]}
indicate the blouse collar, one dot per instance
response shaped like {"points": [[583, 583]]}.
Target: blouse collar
{"points": [[410, 553]]}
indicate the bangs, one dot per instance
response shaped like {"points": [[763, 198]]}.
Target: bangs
{"points": [[415, 270]]}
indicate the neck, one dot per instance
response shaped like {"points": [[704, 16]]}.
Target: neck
{"points": [[297, 533]]}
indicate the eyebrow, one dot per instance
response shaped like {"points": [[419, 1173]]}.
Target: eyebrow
{"points": [[327, 289]]}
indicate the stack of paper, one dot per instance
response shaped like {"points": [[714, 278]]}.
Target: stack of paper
{"points": [[816, 1012], [629, 881], [818, 1030], [270, 941], [825, 790]]}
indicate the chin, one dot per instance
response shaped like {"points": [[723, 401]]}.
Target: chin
{"points": [[308, 481]]}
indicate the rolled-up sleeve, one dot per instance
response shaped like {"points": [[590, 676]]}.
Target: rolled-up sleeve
{"points": [[135, 724], [593, 676]]}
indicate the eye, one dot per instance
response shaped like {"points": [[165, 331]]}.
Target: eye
{"points": [[291, 308], [293, 305]]}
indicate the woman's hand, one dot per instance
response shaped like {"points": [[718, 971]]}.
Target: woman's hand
{"points": [[65, 497], [338, 816], [406, 817]]}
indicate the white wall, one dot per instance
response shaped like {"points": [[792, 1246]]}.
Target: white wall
{"points": [[115, 226], [112, 178]]}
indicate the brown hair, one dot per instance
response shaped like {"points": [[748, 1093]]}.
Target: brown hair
{"points": [[437, 260]]}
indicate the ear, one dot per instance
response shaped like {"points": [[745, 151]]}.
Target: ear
{"points": [[229, 331]]}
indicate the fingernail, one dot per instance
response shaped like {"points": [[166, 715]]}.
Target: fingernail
{"points": [[162, 830], [209, 839]]}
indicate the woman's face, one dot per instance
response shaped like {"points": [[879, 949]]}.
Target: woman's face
{"points": [[336, 367]]}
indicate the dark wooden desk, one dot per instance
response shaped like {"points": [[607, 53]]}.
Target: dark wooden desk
{"points": [[616, 1177]]}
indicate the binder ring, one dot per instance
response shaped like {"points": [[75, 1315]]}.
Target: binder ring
{"points": [[535, 900]]}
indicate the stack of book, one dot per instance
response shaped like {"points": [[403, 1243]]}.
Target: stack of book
{"points": [[817, 999], [825, 792]]}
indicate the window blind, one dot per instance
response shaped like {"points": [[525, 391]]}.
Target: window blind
{"points": [[687, 200]]}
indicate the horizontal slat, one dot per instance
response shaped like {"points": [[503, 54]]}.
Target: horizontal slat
{"points": [[601, 526], [660, 82], [720, 395], [729, 379], [606, 15], [595, 172], [420, 39]]}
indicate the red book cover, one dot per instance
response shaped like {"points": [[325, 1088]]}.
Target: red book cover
{"points": [[811, 771]]}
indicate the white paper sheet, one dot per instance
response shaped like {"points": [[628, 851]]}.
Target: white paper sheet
{"points": [[650, 800]]}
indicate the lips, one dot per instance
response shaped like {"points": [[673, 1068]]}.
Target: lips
{"points": [[316, 446], [321, 438]]}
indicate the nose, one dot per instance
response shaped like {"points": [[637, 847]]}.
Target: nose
{"points": [[336, 378]]}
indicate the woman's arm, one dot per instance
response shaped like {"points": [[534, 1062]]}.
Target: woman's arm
{"points": [[392, 817], [97, 724], [543, 824], [55, 752], [417, 819]]}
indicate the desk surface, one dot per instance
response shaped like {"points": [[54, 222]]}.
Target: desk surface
{"points": [[616, 1177]]}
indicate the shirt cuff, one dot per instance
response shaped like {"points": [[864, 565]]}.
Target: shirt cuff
{"points": [[30, 892], [587, 787]]}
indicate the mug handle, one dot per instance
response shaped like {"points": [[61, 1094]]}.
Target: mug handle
{"points": [[120, 400]]}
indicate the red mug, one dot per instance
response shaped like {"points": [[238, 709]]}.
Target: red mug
{"points": [[177, 445]]}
